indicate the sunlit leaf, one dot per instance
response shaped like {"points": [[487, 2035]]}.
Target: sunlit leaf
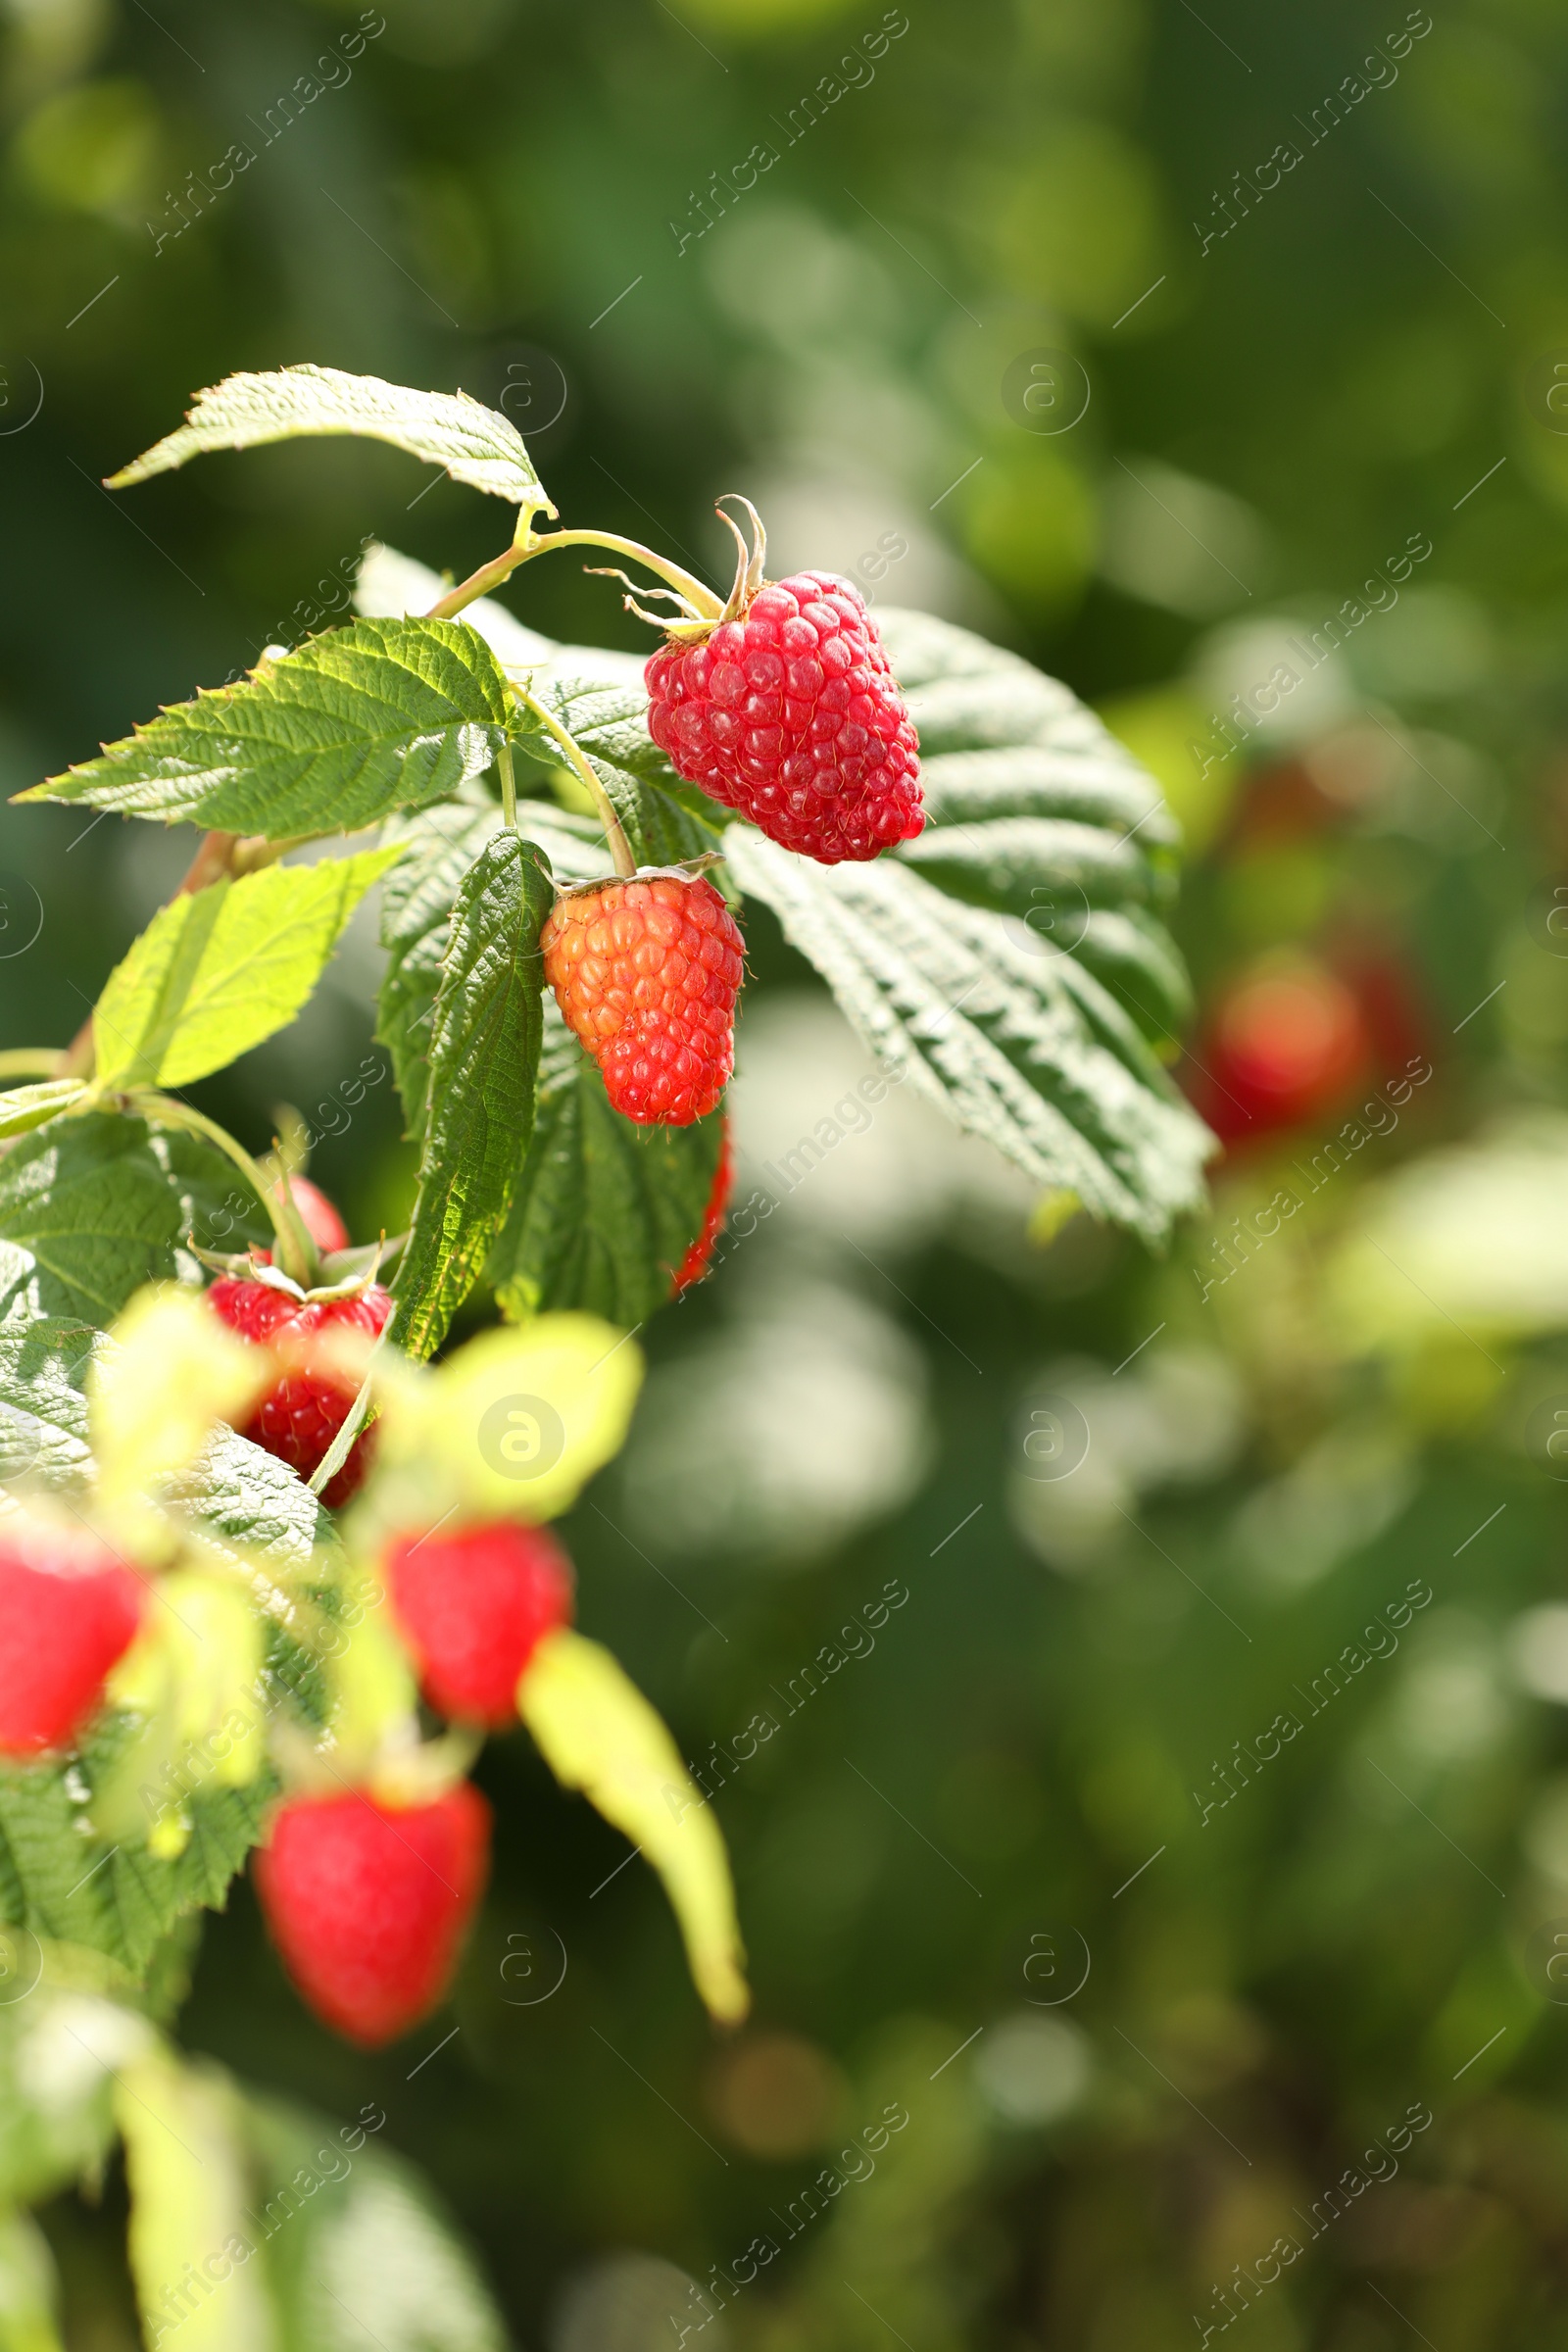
{"points": [[189, 2189], [172, 1372], [598, 1732], [216, 970], [475, 444], [357, 722]]}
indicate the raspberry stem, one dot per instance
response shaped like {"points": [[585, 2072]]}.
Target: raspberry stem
{"points": [[621, 850], [705, 604], [296, 1251], [508, 786]]}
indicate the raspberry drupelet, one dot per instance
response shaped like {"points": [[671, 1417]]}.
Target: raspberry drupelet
{"points": [[646, 973]]}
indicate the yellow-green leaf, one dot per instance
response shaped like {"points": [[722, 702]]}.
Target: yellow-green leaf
{"points": [[193, 1675], [188, 2242], [27, 1107], [598, 1732], [511, 1426], [29, 2290], [170, 1374], [218, 970]]}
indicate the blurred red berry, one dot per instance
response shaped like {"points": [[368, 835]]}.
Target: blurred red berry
{"points": [[299, 1418], [68, 1608], [1284, 1047], [319, 1218], [694, 1265], [473, 1607], [791, 713], [368, 1903], [646, 974]]}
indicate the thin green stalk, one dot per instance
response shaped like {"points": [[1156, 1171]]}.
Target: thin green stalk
{"points": [[501, 567], [30, 1061], [295, 1254], [508, 786], [621, 850]]}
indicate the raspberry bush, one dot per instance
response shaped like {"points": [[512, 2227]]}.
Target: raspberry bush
{"points": [[269, 1576]]}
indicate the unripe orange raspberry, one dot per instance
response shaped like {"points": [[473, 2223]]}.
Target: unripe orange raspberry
{"points": [[646, 974]]}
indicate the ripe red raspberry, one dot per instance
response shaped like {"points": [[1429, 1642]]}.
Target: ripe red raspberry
{"points": [[694, 1265], [299, 1418], [646, 974], [368, 1903], [791, 714], [67, 1610], [473, 1607]]}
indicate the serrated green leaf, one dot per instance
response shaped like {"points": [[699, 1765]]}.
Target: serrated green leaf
{"points": [[60, 1880], [1076, 889], [249, 1500], [604, 1209], [216, 970], [355, 2245], [1133, 955], [440, 846], [1023, 1048], [94, 1206], [475, 444], [484, 1054], [1019, 864], [43, 1404], [354, 723]]}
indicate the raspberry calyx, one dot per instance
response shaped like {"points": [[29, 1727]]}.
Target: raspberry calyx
{"points": [[646, 973]]}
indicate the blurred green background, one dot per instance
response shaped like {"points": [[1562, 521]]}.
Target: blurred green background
{"points": [[1033, 325]]}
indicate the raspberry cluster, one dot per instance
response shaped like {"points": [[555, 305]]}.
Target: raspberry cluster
{"points": [[367, 1902], [646, 974], [791, 714]]}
